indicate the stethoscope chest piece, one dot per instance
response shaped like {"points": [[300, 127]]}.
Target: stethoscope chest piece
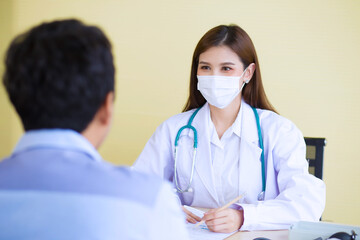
{"points": [[261, 196]]}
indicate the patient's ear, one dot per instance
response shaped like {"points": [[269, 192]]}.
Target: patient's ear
{"points": [[99, 127], [106, 110]]}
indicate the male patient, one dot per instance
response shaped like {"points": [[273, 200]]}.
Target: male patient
{"points": [[60, 78]]}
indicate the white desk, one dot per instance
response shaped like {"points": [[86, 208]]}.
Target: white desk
{"points": [[274, 235]]}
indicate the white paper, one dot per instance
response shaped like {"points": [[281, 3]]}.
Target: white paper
{"points": [[202, 231]]}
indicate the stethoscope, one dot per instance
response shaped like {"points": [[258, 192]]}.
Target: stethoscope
{"points": [[188, 188]]}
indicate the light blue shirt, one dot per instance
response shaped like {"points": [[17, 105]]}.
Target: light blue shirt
{"points": [[55, 185], [59, 139]]}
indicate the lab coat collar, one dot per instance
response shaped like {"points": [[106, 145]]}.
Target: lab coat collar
{"points": [[249, 155], [203, 164], [214, 138], [248, 127], [237, 124], [244, 125]]}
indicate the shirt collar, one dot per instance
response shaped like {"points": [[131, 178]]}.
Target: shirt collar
{"points": [[234, 128], [56, 139]]}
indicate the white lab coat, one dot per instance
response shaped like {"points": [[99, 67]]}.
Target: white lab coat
{"points": [[292, 194]]}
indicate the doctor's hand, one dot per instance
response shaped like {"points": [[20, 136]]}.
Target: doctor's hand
{"points": [[190, 217], [225, 221]]}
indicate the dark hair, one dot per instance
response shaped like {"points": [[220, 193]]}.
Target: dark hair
{"points": [[236, 39], [58, 74]]}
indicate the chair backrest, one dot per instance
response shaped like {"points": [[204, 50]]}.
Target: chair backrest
{"points": [[315, 155]]}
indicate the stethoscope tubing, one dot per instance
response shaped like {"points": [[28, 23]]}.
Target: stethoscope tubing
{"points": [[262, 148], [188, 188], [188, 125]]}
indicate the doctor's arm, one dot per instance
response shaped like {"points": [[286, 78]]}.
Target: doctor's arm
{"points": [[156, 157], [301, 196]]}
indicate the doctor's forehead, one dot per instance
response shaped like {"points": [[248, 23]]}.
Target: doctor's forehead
{"points": [[219, 55]]}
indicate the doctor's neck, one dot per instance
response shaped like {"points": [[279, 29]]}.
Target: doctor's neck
{"points": [[224, 118]]}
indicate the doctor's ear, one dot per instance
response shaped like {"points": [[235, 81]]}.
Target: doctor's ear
{"points": [[249, 72]]}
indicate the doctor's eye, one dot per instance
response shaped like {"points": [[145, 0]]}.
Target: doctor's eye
{"points": [[226, 68], [204, 67]]}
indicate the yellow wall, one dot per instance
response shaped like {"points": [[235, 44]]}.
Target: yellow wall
{"points": [[5, 110], [309, 54]]}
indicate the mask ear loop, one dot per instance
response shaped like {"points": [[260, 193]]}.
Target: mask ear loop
{"points": [[242, 86], [246, 81]]}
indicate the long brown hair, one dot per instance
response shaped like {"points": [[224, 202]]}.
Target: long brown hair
{"points": [[239, 41]]}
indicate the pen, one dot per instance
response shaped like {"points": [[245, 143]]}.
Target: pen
{"points": [[224, 207]]}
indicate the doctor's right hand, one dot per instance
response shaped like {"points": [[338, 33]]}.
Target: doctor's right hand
{"points": [[190, 217]]}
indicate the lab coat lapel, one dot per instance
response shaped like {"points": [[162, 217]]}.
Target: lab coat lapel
{"points": [[203, 164], [250, 156]]}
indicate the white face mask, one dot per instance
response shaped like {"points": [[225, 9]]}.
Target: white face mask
{"points": [[220, 91]]}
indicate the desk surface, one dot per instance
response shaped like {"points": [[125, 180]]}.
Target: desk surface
{"points": [[276, 235]]}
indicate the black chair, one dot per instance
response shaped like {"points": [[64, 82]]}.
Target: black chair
{"points": [[315, 155]]}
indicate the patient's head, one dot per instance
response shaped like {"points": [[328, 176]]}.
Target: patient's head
{"points": [[59, 74]]}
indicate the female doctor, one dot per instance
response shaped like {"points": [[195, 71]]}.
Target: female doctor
{"points": [[229, 141]]}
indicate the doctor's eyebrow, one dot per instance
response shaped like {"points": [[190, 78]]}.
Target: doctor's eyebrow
{"points": [[205, 63], [227, 63], [224, 63]]}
